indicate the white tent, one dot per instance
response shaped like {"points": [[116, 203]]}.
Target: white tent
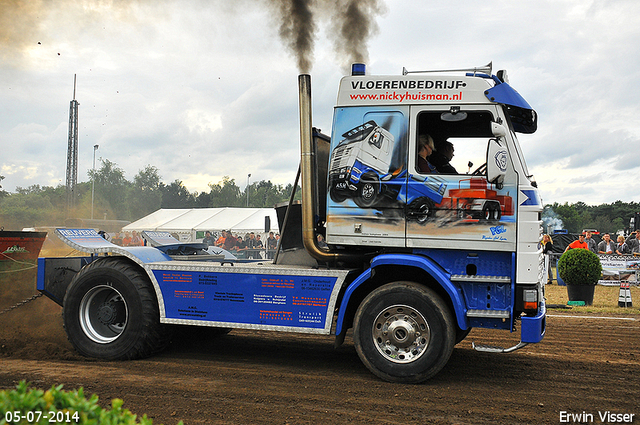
{"points": [[190, 224]]}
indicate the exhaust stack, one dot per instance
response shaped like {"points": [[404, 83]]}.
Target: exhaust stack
{"points": [[309, 178]]}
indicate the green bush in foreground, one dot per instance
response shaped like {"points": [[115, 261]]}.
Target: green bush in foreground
{"points": [[26, 405], [579, 267]]}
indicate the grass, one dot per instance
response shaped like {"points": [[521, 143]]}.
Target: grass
{"points": [[55, 405], [605, 301]]}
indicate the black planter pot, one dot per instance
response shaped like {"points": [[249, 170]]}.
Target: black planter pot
{"points": [[581, 293]]}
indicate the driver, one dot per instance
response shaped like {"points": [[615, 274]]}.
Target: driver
{"points": [[441, 158]]}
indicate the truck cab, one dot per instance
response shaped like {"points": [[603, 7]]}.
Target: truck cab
{"points": [[476, 215]]}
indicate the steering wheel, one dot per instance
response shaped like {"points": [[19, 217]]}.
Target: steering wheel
{"points": [[481, 170]]}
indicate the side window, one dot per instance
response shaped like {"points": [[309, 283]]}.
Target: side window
{"points": [[450, 143]]}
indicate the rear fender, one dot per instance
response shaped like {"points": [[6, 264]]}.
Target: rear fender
{"points": [[55, 275]]}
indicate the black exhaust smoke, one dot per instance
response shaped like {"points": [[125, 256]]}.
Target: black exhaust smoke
{"points": [[352, 23]]}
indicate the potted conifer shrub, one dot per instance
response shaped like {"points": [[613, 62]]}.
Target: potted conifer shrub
{"points": [[580, 269]]}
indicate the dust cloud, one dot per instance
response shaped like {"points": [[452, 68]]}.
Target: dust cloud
{"points": [[33, 330]]}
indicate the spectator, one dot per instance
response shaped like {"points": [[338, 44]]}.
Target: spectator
{"points": [[580, 243], [547, 248], [632, 243], [593, 247], [259, 246], [136, 239], [117, 239], [208, 238], [251, 245], [229, 242], [606, 246], [621, 247], [221, 239], [271, 245], [240, 247]]}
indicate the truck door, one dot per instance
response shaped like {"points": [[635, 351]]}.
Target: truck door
{"points": [[367, 172], [454, 205]]}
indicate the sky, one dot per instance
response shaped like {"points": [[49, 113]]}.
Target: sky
{"points": [[203, 89]]}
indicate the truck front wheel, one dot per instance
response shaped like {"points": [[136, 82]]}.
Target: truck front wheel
{"points": [[404, 332], [110, 312], [368, 191]]}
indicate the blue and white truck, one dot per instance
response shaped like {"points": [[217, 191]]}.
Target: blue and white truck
{"points": [[410, 288]]}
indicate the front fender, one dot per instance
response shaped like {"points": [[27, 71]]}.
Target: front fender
{"points": [[407, 260]]}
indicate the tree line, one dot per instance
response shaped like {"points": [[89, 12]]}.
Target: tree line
{"points": [[116, 198], [576, 217]]}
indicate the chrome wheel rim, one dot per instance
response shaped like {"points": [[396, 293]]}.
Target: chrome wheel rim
{"points": [[401, 334], [103, 314]]}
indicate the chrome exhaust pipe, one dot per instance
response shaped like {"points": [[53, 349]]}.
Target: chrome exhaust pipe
{"points": [[309, 178]]}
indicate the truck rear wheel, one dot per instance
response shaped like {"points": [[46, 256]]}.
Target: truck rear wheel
{"points": [[487, 212], [404, 332], [110, 312], [421, 209], [497, 212], [491, 211]]}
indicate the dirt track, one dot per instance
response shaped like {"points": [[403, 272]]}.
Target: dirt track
{"points": [[583, 364]]}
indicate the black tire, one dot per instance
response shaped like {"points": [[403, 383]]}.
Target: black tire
{"points": [[421, 209], [110, 312], [368, 192], [487, 212], [497, 213], [404, 332], [491, 211]]}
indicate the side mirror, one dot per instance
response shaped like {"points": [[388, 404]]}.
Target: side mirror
{"points": [[497, 160], [498, 130]]}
